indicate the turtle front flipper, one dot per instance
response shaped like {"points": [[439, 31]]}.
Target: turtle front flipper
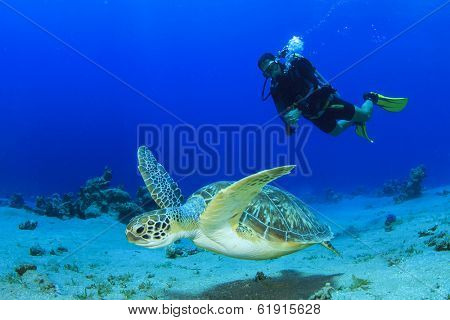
{"points": [[163, 189], [227, 206]]}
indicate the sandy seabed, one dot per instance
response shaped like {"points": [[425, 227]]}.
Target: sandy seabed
{"points": [[101, 264]]}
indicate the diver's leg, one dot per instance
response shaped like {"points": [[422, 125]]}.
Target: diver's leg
{"points": [[341, 114], [340, 127], [364, 113]]}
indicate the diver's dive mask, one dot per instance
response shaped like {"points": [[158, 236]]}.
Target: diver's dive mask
{"points": [[267, 70]]}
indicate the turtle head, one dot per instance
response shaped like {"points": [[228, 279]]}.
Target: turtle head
{"points": [[155, 229]]}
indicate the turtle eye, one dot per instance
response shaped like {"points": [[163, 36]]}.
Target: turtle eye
{"points": [[140, 230]]}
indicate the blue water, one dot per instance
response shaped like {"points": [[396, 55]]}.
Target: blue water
{"points": [[63, 119]]}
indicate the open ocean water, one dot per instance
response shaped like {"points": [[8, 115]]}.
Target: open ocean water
{"points": [[84, 84]]}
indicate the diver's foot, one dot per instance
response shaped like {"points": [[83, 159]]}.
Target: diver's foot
{"points": [[372, 96], [387, 103]]}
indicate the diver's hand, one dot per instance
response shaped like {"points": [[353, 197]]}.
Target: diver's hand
{"points": [[292, 116]]}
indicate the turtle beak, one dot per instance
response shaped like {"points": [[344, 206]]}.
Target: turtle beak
{"points": [[142, 242], [136, 240]]}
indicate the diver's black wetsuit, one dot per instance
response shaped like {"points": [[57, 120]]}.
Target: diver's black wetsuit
{"points": [[318, 104]]}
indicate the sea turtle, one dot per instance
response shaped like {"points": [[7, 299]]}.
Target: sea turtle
{"points": [[247, 219]]}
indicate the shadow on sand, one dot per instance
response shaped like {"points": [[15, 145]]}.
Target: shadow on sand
{"points": [[290, 285]]}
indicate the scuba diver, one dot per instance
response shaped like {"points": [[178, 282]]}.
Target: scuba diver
{"points": [[298, 89]]}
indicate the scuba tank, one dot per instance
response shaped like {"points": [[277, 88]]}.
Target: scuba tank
{"points": [[298, 67], [292, 54], [291, 51]]}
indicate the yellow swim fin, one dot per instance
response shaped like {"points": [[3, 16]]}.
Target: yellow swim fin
{"points": [[361, 130], [391, 104]]}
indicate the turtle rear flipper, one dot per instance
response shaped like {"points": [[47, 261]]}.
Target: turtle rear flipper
{"points": [[163, 189], [227, 206], [329, 246]]}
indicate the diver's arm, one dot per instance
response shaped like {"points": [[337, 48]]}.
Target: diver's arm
{"points": [[321, 78], [341, 126]]}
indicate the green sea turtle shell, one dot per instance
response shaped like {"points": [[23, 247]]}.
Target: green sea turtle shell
{"points": [[275, 214]]}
